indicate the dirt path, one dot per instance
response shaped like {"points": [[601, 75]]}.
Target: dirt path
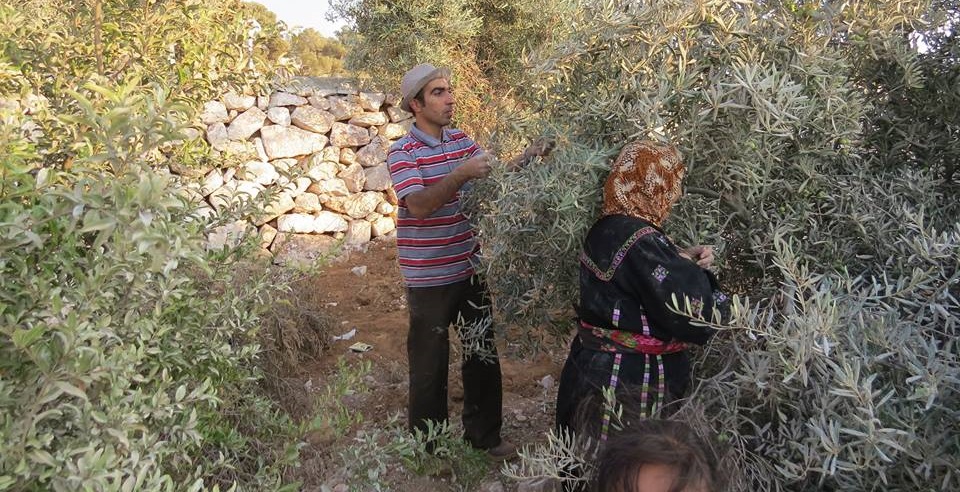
{"points": [[362, 291]]}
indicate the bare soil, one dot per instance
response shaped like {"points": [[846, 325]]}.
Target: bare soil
{"points": [[362, 290]]}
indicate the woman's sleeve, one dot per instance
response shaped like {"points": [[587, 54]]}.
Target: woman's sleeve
{"points": [[658, 274]]}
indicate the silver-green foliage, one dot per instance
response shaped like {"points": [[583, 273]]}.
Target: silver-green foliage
{"points": [[122, 340], [804, 168], [849, 379], [438, 451], [128, 352]]}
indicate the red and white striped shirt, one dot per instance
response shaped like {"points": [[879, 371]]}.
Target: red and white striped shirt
{"points": [[440, 249]]}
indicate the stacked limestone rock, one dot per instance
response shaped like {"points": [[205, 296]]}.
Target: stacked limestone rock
{"points": [[322, 151]]}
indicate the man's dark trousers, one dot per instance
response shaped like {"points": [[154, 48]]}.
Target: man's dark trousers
{"points": [[432, 310]]}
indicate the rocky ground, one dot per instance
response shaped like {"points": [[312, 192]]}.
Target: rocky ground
{"points": [[363, 293]]}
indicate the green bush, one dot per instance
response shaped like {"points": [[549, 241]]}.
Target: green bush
{"points": [[128, 352], [842, 371], [820, 145]]}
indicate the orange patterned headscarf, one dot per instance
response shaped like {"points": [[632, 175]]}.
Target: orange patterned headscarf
{"points": [[644, 181]]}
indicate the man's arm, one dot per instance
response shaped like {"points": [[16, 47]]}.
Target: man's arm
{"points": [[425, 202]]}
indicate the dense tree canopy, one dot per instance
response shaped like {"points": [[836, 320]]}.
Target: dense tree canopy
{"points": [[821, 147]]}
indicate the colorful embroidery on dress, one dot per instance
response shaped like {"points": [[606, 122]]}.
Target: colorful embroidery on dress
{"points": [[630, 342], [645, 389], [660, 273], [621, 253], [661, 387], [614, 379]]}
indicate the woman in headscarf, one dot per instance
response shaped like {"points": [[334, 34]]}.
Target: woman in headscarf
{"points": [[630, 271]]}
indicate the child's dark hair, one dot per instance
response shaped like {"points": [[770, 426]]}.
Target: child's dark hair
{"points": [[663, 442]]}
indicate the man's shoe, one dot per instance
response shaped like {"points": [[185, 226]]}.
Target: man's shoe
{"points": [[505, 451]]}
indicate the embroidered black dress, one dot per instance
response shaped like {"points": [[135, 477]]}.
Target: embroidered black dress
{"points": [[628, 337]]}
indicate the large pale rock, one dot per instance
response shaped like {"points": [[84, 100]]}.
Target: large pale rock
{"points": [[392, 197], [217, 136], [297, 223], [282, 203], [330, 222], [261, 152], [345, 135], [263, 102], [358, 232], [287, 141], [348, 157], [354, 177], [331, 154], [301, 250], [237, 102], [286, 99], [334, 203], [267, 234], [383, 226], [323, 170], [307, 203], [279, 115], [371, 101], [397, 115], [373, 154], [385, 208], [244, 126], [367, 120], [312, 119], [392, 131], [344, 108], [362, 204], [377, 178], [211, 182], [214, 112], [240, 148], [330, 187], [298, 186], [260, 172], [227, 236], [392, 100], [319, 102]]}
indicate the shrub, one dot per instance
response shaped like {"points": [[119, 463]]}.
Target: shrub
{"points": [[128, 352], [840, 240], [820, 146]]}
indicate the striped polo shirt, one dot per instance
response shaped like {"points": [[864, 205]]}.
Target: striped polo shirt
{"points": [[440, 249]]}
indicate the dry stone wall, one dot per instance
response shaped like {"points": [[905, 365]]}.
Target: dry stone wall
{"points": [[321, 149]]}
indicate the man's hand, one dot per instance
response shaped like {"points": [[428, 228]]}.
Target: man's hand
{"points": [[425, 202], [478, 166], [541, 147], [702, 255]]}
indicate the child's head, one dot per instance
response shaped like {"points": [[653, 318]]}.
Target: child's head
{"points": [[657, 456]]}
